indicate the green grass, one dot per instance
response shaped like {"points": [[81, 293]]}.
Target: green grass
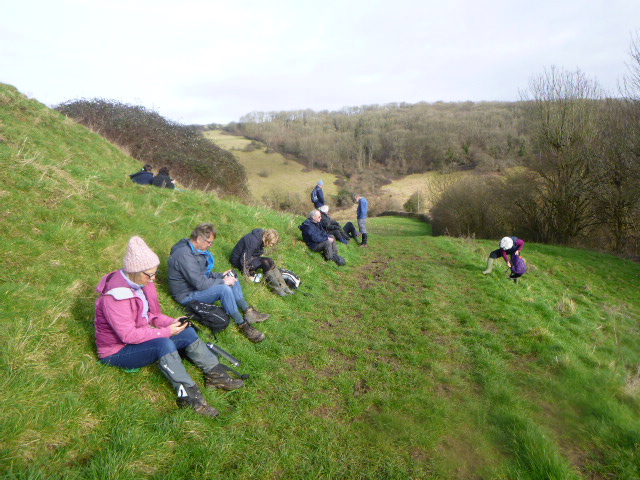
{"points": [[406, 363]]}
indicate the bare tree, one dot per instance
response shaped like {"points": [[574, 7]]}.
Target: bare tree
{"points": [[563, 108], [618, 172], [619, 166]]}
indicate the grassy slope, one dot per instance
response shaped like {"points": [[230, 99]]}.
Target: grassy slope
{"points": [[406, 363], [282, 174]]}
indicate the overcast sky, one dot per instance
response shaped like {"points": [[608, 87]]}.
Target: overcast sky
{"points": [[205, 61]]}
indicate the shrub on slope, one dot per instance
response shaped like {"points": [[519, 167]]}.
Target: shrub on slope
{"points": [[150, 138]]}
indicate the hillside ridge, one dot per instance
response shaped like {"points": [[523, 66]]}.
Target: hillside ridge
{"points": [[408, 355]]}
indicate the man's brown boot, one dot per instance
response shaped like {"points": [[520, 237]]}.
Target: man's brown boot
{"points": [[218, 377], [249, 331], [251, 315]]}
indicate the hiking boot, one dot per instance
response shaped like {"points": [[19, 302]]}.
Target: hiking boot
{"points": [[251, 315], [191, 397], [218, 377], [249, 331], [340, 261]]}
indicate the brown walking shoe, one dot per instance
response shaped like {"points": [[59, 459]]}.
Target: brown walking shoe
{"points": [[251, 315], [218, 377], [249, 331]]}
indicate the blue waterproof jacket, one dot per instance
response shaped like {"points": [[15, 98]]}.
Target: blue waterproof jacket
{"points": [[313, 233]]}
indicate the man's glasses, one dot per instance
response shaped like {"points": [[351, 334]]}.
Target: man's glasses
{"points": [[208, 242]]}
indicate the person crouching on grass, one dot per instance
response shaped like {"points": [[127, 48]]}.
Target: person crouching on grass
{"points": [[508, 246], [132, 331]]}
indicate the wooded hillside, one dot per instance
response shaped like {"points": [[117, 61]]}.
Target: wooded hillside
{"points": [[396, 139]]}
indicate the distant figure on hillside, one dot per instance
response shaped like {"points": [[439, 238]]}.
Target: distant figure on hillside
{"points": [[508, 246], [162, 179], [191, 277], [144, 176], [132, 332], [331, 226], [317, 195], [247, 257], [362, 214], [318, 240]]}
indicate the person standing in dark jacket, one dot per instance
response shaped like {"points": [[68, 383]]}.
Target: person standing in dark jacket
{"points": [[318, 195], [508, 246], [144, 176], [247, 257], [318, 240], [162, 179]]}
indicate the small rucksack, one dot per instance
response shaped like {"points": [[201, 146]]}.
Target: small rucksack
{"points": [[291, 279], [211, 316], [518, 265], [314, 196]]}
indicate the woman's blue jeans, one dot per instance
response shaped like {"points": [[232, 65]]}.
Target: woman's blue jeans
{"points": [[145, 353]]}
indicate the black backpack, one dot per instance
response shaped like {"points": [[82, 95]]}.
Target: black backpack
{"points": [[211, 316], [291, 279], [314, 196]]}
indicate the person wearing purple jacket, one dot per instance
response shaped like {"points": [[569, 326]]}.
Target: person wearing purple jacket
{"points": [[508, 246], [132, 332]]}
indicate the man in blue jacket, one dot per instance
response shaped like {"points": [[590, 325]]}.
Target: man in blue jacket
{"points": [[144, 176], [318, 240], [363, 212]]}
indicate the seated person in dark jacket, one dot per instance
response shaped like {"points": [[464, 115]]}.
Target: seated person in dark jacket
{"points": [[318, 240], [331, 226], [144, 176], [162, 179], [247, 257], [191, 277]]}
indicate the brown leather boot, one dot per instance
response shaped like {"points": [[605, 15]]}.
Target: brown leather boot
{"points": [[249, 331], [251, 315], [218, 377]]}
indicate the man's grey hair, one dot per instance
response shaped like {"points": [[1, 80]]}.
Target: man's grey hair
{"points": [[314, 213], [204, 230]]}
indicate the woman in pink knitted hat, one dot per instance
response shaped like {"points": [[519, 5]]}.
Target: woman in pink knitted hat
{"points": [[132, 331]]}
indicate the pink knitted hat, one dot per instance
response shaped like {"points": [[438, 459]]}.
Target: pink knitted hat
{"points": [[139, 256]]}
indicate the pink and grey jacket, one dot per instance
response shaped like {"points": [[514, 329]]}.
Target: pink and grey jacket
{"points": [[119, 315]]}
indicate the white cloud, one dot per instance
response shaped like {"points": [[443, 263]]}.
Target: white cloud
{"points": [[200, 61]]}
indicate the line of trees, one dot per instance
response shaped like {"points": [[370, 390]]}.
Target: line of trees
{"points": [[578, 149], [395, 139], [582, 184]]}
